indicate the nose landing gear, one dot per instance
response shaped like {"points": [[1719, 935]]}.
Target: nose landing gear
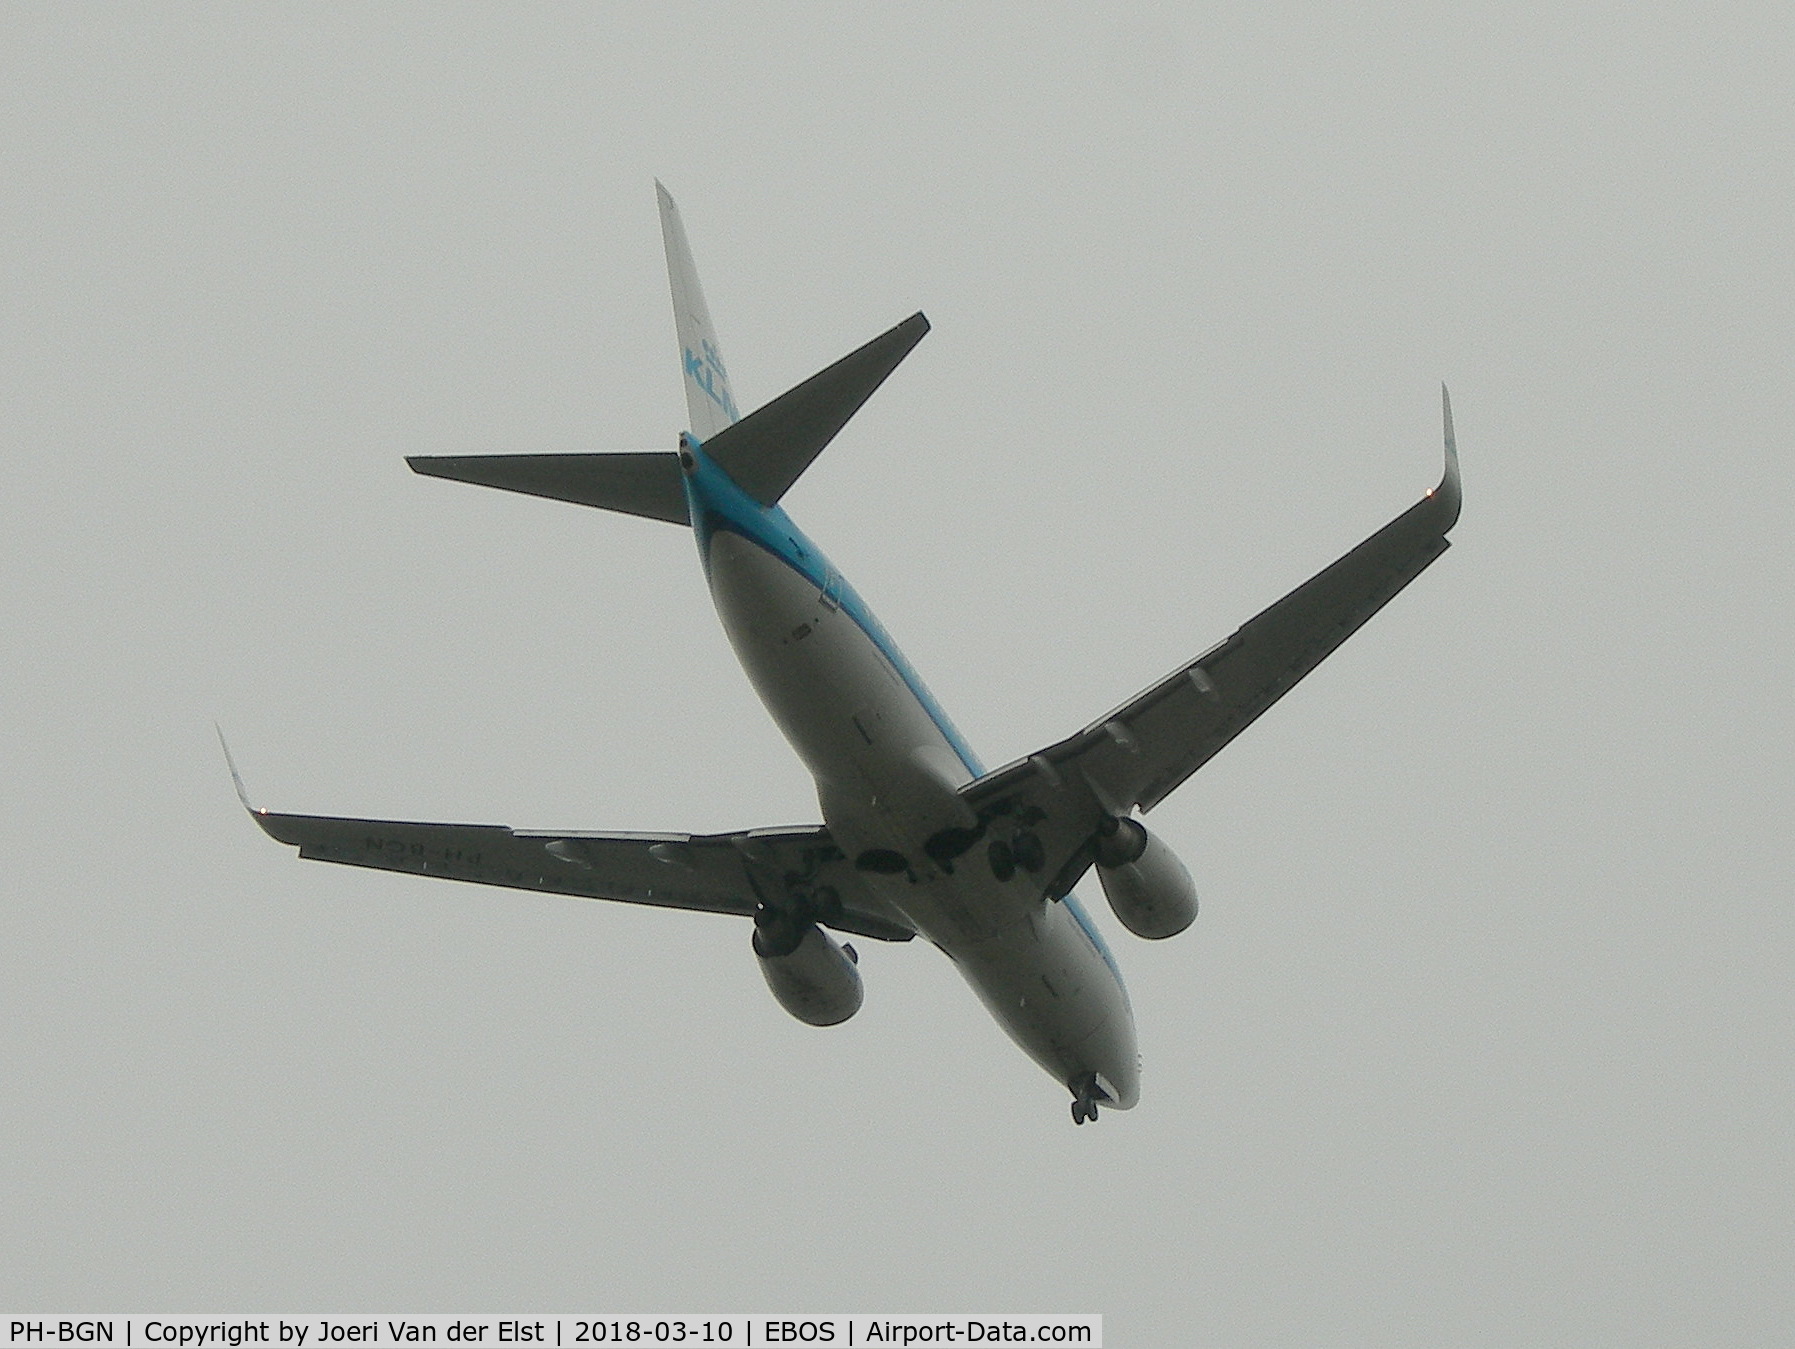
{"points": [[1086, 1093]]}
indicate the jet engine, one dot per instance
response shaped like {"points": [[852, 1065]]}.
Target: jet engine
{"points": [[815, 978], [1144, 881]]}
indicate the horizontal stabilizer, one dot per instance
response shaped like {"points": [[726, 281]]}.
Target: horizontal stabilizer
{"points": [[647, 484], [768, 449]]}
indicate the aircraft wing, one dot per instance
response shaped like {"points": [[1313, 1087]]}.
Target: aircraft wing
{"points": [[1138, 754], [715, 873]]}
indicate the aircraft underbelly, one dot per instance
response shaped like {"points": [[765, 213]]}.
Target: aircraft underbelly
{"points": [[837, 698], [887, 779], [1046, 985]]}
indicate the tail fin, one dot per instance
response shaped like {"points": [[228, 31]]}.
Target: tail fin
{"points": [[764, 452], [709, 400]]}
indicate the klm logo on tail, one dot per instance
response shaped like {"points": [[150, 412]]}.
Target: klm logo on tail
{"points": [[707, 372]]}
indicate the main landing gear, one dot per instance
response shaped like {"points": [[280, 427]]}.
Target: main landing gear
{"points": [[1086, 1093], [1021, 852]]}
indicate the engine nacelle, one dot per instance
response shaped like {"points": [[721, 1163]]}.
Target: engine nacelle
{"points": [[814, 977], [1144, 881]]}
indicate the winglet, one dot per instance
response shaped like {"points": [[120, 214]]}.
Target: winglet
{"points": [[1448, 496], [230, 763], [259, 816]]}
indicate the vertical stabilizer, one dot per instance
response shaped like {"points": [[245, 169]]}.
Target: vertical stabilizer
{"points": [[708, 398]]}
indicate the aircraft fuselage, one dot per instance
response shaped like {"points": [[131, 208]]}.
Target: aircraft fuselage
{"points": [[888, 765]]}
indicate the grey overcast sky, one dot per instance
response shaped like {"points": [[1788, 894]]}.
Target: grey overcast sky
{"points": [[1484, 1036]]}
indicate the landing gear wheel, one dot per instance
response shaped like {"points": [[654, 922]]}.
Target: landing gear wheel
{"points": [[1026, 848], [1003, 861], [1086, 1092]]}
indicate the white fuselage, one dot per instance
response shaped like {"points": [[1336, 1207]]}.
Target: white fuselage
{"points": [[888, 767]]}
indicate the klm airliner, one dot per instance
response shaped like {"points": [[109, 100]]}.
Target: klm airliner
{"points": [[917, 837]]}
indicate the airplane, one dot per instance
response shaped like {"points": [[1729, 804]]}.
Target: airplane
{"points": [[917, 838]]}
